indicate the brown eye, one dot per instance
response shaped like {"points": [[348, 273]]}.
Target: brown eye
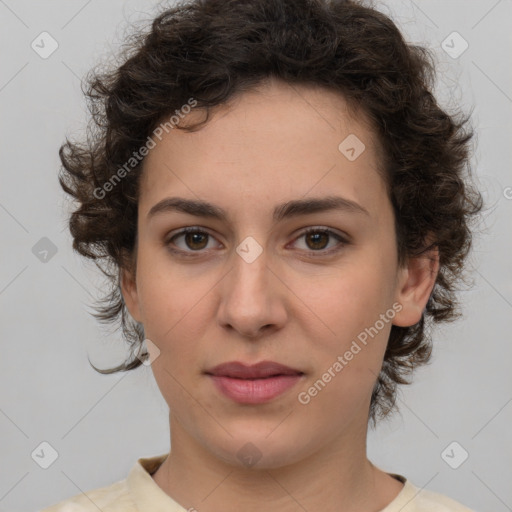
{"points": [[317, 240], [195, 240]]}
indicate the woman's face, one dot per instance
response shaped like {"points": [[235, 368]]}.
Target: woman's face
{"points": [[251, 286]]}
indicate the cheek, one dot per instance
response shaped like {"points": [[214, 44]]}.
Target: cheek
{"points": [[174, 308], [350, 305], [169, 294], [353, 298]]}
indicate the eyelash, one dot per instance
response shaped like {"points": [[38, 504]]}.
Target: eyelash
{"points": [[319, 253]]}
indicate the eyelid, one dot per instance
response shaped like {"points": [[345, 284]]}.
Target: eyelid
{"points": [[343, 240], [184, 231]]}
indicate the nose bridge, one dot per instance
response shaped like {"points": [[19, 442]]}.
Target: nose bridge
{"points": [[248, 301], [250, 273]]}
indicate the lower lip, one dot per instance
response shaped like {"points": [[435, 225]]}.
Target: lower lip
{"points": [[254, 391]]}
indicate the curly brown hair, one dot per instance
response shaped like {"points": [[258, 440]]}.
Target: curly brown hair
{"points": [[211, 50]]}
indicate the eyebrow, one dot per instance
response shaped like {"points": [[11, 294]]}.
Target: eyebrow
{"points": [[282, 211]]}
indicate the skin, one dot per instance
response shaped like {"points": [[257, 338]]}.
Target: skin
{"points": [[277, 143]]}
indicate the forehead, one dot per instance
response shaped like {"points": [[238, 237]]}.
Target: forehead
{"points": [[278, 141]]}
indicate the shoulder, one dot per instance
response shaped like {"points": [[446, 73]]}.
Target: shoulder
{"points": [[136, 492], [416, 499], [111, 498], [434, 501]]}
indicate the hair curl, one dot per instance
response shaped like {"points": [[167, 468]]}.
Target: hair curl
{"points": [[212, 50]]}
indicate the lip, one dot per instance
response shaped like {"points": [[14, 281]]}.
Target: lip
{"points": [[259, 370], [253, 384]]}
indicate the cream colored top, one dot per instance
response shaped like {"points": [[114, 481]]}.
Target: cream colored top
{"points": [[138, 492]]}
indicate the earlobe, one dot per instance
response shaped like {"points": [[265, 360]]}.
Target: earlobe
{"points": [[130, 295], [414, 286]]}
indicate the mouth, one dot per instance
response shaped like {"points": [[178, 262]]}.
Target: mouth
{"points": [[253, 384]]}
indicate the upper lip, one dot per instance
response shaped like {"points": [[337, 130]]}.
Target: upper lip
{"points": [[259, 370]]}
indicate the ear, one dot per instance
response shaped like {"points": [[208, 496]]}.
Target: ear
{"points": [[414, 285], [129, 290]]}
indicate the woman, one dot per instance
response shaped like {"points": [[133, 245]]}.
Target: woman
{"points": [[285, 207]]}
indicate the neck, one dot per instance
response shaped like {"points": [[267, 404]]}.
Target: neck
{"points": [[337, 478]]}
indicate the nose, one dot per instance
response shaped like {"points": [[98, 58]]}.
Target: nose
{"points": [[252, 298]]}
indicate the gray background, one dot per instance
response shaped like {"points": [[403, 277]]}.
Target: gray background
{"points": [[100, 425]]}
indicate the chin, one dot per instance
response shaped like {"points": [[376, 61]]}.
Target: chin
{"points": [[259, 450]]}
